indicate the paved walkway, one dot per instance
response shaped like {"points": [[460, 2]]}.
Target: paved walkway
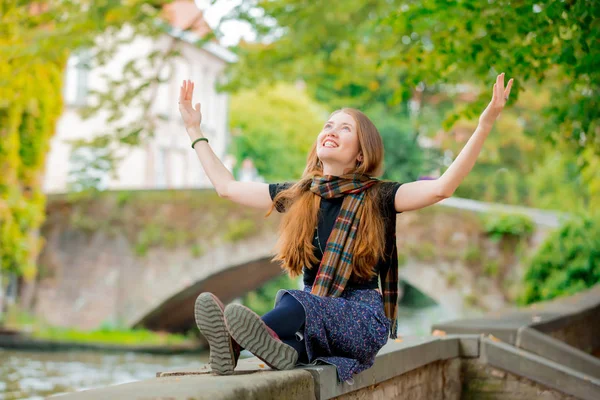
{"points": [[550, 219]]}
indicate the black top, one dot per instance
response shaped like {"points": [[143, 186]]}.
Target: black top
{"points": [[327, 215]]}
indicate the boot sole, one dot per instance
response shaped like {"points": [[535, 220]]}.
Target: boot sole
{"points": [[250, 332], [209, 319]]}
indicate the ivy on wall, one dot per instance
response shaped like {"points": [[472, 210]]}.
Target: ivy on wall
{"points": [[30, 105]]}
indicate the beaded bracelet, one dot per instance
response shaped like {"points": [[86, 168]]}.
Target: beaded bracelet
{"points": [[197, 140]]}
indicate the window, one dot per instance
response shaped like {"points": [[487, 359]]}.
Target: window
{"points": [[88, 168], [163, 99], [77, 78], [161, 168]]}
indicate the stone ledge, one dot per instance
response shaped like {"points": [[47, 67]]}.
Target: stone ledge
{"points": [[397, 362], [552, 349], [548, 317], [252, 381], [561, 330], [416, 352], [503, 325], [468, 345], [539, 369]]}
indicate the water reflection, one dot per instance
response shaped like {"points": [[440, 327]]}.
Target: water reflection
{"points": [[417, 312], [36, 375]]}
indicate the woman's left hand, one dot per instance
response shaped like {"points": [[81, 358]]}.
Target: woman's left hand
{"points": [[499, 99]]}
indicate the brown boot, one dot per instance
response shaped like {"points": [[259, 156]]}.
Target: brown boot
{"points": [[224, 351], [246, 328]]}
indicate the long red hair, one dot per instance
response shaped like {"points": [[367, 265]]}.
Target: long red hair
{"points": [[295, 247]]}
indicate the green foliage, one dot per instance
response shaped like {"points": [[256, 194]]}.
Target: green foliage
{"points": [[491, 268], [262, 300], [472, 255], [28, 115], [34, 49], [369, 51], [566, 263], [275, 127], [364, 54], [107, 333], [423, 251], [15, 318], [471, 300], [451, 278], [404, 159], [499, 225], [556, 184], [197, 250], [402, 258], [30, 34], [166, 219], [150, 236], [507, 156], [239, 230]]}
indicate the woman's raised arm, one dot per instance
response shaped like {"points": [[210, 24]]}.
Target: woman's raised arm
{"points": [[420, 194], [251, 194]]}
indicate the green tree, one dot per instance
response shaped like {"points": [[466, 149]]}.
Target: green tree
{"points": [[404, 159], [275, 126], [368, 51], [507, 156], [557, 184]]}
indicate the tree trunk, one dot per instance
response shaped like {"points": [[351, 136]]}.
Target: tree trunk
{"points": [[2, 295], [28, 281], [27, 294]]}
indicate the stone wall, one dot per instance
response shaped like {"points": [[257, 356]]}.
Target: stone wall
{"points": [[440, 380], [483, 382], [122, 257], [579, 329], [115, 257]]}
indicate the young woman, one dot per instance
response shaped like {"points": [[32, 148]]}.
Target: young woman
{"points": [[338, 230]]}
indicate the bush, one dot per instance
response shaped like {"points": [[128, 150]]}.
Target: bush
{"points": [[498, 226], [262, 300], [238, 230], [566, 263]]}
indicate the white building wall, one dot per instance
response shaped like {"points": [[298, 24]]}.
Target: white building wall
{"points": [[164, 161]]}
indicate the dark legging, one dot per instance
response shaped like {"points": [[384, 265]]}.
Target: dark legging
{"points": [[286, 319]]}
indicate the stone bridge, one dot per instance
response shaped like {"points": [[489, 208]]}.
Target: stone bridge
{"points": [[97, 278], [232, 271]]}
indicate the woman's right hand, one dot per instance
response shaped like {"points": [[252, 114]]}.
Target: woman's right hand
{"points": [[191, 115]]}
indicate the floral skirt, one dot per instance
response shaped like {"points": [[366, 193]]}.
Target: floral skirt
{"points": [[345, 331]]}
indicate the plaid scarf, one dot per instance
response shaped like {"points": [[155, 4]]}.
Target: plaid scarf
{"points": [[336, 265]]}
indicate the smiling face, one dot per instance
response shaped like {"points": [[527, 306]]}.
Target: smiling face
{"points": [[338, 146]]}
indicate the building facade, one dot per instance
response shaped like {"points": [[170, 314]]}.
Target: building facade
{"points": [[166, 160]]}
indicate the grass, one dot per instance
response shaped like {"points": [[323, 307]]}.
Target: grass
{"points": [[472, 255], [106, 334], [452, 278], [471, 300], [127, 337]]}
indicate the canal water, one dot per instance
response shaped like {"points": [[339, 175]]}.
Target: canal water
{"points": [[37, 375]]}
